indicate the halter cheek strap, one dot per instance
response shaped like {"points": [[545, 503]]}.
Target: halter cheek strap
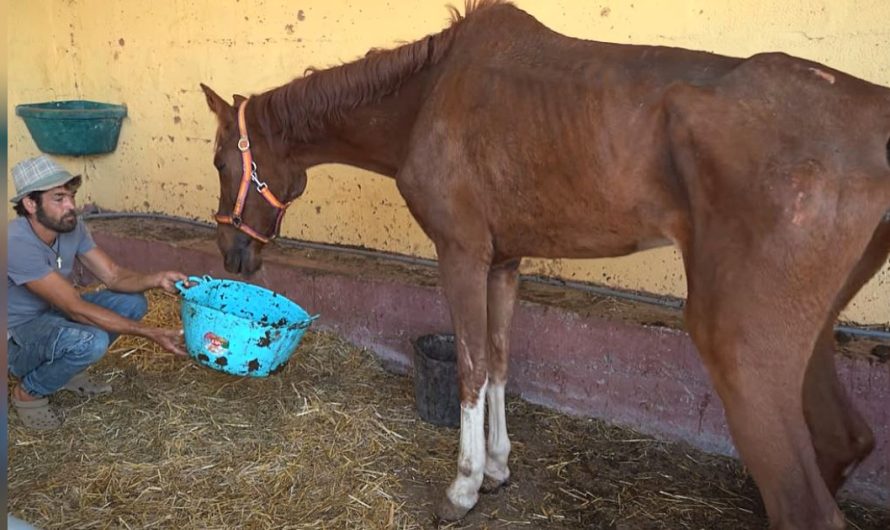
{"points": [[248, 175]]}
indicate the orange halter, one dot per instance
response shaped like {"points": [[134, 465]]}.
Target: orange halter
{"points": [[248, 175]]}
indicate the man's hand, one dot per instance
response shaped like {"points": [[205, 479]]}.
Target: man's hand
{"points": [[166, 280], [169, 339]]}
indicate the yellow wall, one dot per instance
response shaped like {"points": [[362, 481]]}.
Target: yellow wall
{"points": [[152, 55]]}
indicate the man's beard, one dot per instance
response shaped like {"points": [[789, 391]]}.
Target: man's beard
{"points": [[64, 225]]}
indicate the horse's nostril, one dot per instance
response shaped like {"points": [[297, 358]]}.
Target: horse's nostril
{"points": [[233, 261]]}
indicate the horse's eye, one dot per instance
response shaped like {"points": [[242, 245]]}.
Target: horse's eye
{"points": [[219, 165]]}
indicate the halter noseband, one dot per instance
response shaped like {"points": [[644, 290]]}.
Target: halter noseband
{"points": [[248, 175]]}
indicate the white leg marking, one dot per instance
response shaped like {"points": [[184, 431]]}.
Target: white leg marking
{"points": [[464, 491], [498, 441]]}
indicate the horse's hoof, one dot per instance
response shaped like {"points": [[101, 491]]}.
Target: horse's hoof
{"points": [[448, 511], [492, 485]]}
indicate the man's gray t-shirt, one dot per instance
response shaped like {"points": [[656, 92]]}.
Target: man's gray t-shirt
{"points": [[30, 259]]}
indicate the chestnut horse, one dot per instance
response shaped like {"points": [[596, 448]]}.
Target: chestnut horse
{"points": [[506, 139]]}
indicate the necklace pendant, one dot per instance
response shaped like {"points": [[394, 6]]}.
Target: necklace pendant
{"points": [[59, 262]]}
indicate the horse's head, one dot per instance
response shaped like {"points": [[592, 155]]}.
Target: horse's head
{"points": [[257, 182]]}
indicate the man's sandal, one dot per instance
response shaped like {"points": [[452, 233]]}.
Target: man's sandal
{"points": [[83, 384], [37, 414]]}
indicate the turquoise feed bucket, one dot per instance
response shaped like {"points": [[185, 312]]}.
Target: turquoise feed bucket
{"points": [[239, 328], [73, 128]]}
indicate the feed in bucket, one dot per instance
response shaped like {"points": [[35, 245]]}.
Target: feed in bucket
{"points": [[239, 328]]}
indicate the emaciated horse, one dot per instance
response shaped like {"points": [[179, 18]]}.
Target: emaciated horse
{"points": [[506, 140]]}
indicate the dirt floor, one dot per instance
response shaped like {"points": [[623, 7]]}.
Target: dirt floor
{"points": [[333, 441]]}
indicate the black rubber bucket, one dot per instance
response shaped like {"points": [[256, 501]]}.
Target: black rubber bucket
{"points": [[436, 392]]}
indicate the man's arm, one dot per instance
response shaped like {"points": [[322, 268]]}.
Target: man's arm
{"points": [[56, 290], [124, 280]]}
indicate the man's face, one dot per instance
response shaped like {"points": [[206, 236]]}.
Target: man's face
{"points": [[56, 209]]}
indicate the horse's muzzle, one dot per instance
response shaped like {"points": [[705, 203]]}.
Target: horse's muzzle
{"points": [[240, 253], [242, 261]]}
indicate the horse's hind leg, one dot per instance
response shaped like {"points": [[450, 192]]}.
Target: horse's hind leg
{"points": [[503, 281], [756, 344], [756, 312], [841, 437], [774, 234]]}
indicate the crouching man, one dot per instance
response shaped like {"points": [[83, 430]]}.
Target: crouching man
{"points": [[55, 333]]}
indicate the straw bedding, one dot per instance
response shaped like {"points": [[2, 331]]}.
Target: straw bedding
{"points": [[333, 441]]}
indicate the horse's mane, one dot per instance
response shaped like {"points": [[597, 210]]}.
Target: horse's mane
{"points": [[300, 109]]}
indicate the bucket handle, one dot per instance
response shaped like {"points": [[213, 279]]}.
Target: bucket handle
{"points": [[194, 280], [306, 323]]}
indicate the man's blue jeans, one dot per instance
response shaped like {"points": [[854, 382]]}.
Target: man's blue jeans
{"points": [[45, 353]]}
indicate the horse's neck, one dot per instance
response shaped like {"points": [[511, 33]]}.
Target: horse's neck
{"points": [[374, 136]]}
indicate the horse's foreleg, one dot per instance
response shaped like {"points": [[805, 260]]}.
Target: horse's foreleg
{"points": [[841, 437], [464, 278], [503, 281]]}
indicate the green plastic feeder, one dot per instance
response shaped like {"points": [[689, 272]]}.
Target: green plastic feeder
{"points": [[73, 128]]}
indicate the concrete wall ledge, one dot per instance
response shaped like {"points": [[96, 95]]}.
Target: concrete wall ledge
{"points": [[581, 353]]}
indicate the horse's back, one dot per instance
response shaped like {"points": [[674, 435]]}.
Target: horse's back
{"points": [[564, 145], [774, 114]]}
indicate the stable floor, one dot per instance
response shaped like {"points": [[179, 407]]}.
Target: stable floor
{"points": [[333, 441]]}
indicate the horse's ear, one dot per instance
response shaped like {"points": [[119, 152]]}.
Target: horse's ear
{"points": [[217, 104], [238, 98]]}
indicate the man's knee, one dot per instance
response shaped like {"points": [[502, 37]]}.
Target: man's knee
{"points": [[83, 346], [135, 306]]}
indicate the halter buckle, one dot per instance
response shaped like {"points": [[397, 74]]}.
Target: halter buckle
{"points": [[243, 144]]}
